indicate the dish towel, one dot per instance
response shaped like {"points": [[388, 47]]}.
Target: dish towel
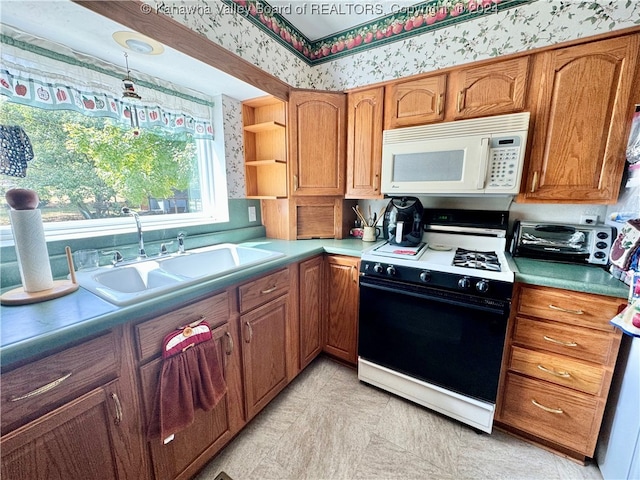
{"points": [[191, 379], [15, 151], [625, 244]]}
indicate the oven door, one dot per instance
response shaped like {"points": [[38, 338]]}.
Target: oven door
{"points": [[449, 339]]}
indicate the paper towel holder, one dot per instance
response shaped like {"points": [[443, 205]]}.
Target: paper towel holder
{"points": [[18, 296]]}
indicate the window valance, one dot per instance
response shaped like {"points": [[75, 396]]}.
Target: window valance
{"points": [[31, 77]]}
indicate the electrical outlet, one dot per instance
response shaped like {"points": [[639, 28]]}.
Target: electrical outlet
{"points": [[588, 219], [252, 214]]}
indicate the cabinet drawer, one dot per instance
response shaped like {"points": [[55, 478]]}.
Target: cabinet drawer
{"points": [[264, 289], [149, 335], [554, 413], [584, 343], [574, 308], [30, 391], [558, 369]]}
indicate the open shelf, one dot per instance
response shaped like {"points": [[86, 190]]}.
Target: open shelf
{"points": [[264, 127]]}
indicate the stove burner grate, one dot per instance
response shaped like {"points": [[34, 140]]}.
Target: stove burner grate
{"points": [[476, 259]]}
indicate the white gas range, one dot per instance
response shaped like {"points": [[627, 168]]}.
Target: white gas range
{"points": [[433, 316]]}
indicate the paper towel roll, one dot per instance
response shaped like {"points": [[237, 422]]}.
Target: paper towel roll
{"points": [[31, 249]]}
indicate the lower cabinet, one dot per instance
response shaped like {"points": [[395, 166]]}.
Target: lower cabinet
{"points": [[192, 447], [264, 307], [81, 439], [341, 296], [310, 309], [73, 414], [558, 364]]}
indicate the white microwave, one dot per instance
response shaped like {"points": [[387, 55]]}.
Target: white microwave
{"points": [[466, 157]]}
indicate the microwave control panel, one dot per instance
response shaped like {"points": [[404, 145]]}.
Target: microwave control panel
{"points": [[504, 158]]}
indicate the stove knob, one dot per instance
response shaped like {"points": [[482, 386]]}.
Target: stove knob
{"points": [[482, 286], [377, 268], [425, 276], [464, 283], [391, 270]]}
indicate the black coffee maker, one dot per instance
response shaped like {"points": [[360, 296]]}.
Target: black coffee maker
{"points": [[403, 221]]}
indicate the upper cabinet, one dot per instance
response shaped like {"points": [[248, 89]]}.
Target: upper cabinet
{"points": [[489, 89], [317, 142], [414, 102], [265, 147], [583, 106], [364, 143]]}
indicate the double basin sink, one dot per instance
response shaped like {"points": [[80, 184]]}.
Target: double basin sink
{"points": [[132, 283]]}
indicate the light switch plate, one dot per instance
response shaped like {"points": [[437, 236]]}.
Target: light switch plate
{"points": [[252, 214]]}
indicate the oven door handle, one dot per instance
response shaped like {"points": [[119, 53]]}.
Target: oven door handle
{"points": [[396, 289]]}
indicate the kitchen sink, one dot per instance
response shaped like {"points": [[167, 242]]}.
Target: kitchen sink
{"points": [[128, 284], [215, 260]]}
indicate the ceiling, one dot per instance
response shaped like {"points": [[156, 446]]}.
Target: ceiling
{"points": [[66, 23]]}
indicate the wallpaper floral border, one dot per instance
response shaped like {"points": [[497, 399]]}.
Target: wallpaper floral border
{"points": [[404, 22]]}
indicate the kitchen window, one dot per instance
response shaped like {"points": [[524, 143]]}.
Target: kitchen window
{"points": [[95, 151]]}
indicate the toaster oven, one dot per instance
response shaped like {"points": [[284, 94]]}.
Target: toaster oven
{"points": [[585, 244]]}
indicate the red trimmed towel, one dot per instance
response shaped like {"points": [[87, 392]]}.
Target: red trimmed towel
{"points": [[191, 379]]}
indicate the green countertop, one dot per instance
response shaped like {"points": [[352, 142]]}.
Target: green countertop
{"points": [[35, 330], [579, 278]]}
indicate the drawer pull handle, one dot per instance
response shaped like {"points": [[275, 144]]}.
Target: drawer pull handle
{"points": [[560, 342], [42, 389], [269, 290], [229, 343], [553, 372], [534, 182], [118, 406], [565, 310], [547, 409], [193, 324], [249, 331], [461, 98], [439, 105]]}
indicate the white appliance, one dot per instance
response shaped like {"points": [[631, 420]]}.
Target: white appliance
{"points": [[466, 157], [433, 317]]}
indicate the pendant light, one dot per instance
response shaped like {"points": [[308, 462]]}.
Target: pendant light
{"points": [[129, 92]]}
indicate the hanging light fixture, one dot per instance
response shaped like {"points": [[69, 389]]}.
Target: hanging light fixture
{"points": [[129, 92]]}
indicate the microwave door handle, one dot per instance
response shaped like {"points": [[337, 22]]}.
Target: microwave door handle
{"points": [[484, 159]]}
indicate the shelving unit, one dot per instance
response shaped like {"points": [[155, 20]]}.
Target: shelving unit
{"points": [[265, 143]]}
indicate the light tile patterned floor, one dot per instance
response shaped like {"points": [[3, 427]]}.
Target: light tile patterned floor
{"points": [[327, 425]]}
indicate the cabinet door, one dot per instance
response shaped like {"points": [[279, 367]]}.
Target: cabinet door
{"points": [[364, 143], [317, 142], [582, 117], [181, 458], [490, 89], [82, 439], [310, 310], [341, 307], [414, 102], [264, 353]]}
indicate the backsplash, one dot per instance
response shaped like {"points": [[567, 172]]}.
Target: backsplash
{"points": [[521, 28]]}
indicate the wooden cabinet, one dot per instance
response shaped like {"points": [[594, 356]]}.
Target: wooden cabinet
{"points": [[414, 102], [496, 88], [265, 147], [583, 107], [264, 304], [70, 415], [364, 143], [310, 309], [558, 364], [193, 446], [317, 143], [341, 295]]}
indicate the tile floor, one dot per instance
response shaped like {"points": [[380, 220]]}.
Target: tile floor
{"points": [[327, 425]]}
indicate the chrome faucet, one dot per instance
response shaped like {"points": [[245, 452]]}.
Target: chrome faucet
{"points": [[128, 211]]}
